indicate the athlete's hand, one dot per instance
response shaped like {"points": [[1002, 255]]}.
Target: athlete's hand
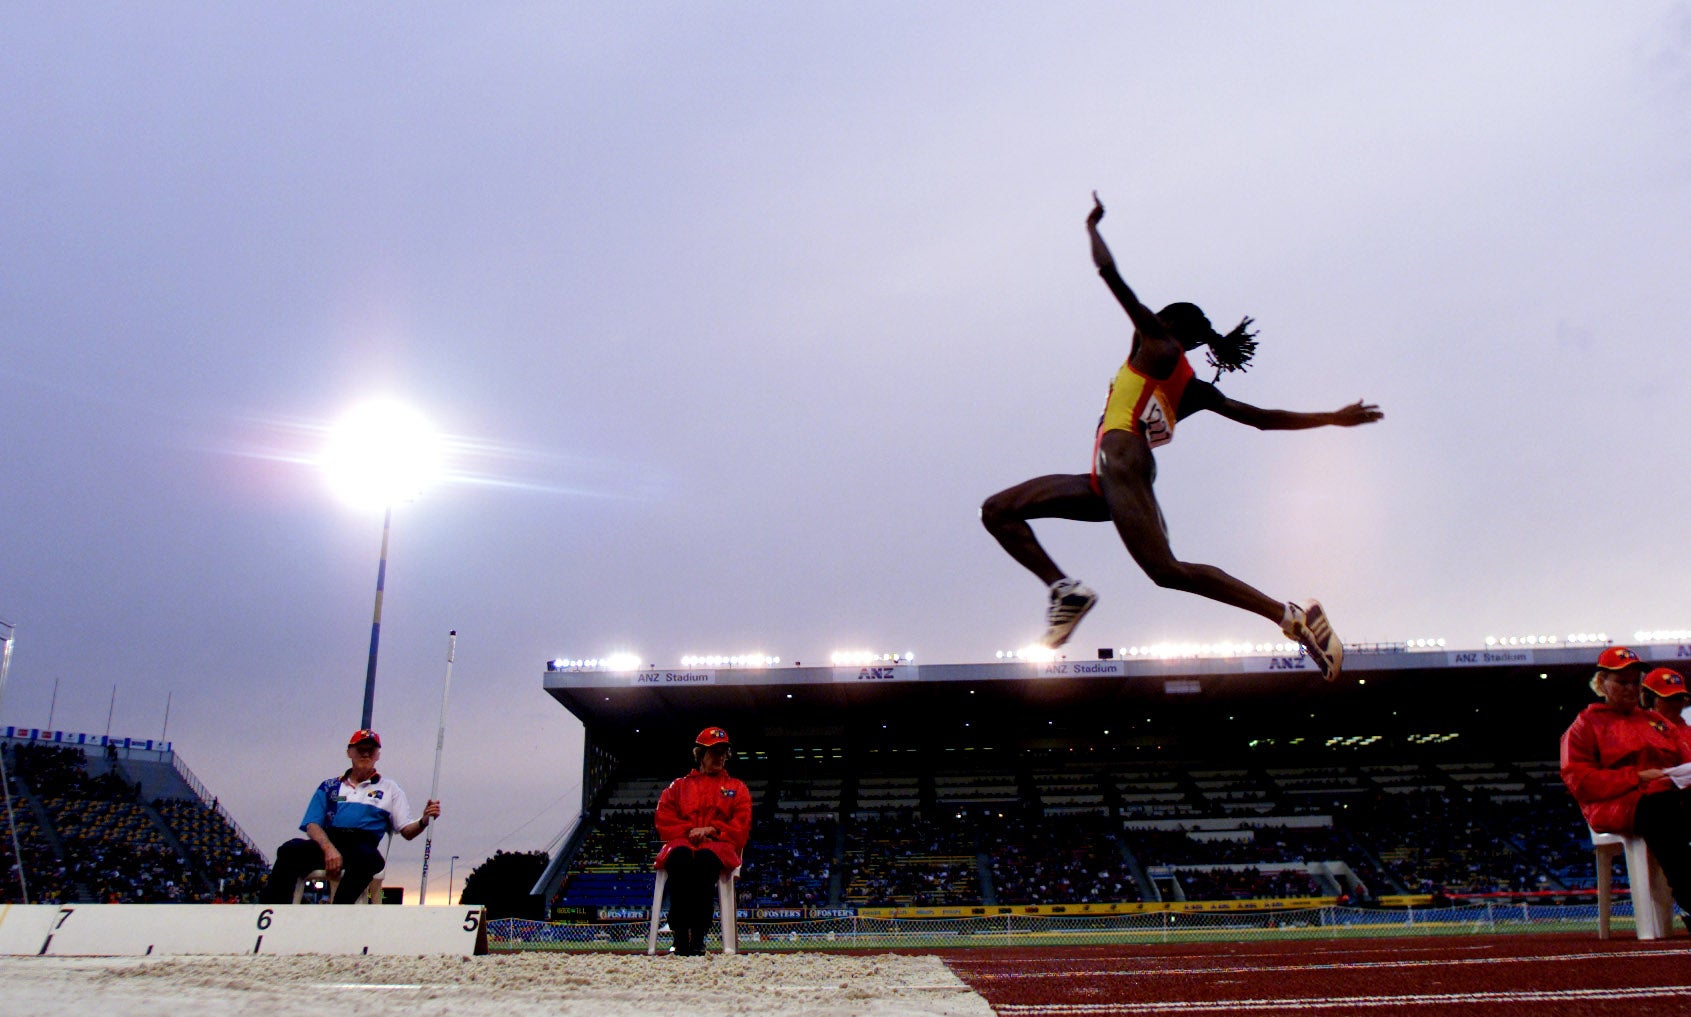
{"points": [[1646, 776], [1097, 213], [331, 863], [1356, 413]]}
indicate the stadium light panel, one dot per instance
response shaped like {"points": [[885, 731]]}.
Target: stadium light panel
{"points": [[382, 453], [753, 660], [1662, 636]]}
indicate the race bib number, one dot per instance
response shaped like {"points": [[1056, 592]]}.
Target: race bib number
{"points": [[1156, 423]]}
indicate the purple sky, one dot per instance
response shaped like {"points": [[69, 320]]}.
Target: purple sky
{"points": [[738, 311]]}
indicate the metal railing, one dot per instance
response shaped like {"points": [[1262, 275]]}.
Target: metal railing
{"points": [[858, 932]]}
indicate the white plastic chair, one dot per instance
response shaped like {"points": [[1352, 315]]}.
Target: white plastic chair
{"points": [[372, 895], [1652, 900], [725, 903]]}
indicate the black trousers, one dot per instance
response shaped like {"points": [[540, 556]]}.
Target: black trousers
{"points": [[361, 858], [692, 895], [1664, 821]]}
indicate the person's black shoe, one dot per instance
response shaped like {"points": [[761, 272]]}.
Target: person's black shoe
{"points": [[688, 943]]}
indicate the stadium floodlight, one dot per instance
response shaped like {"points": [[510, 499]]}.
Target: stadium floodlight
{"points": [[752, 660], [614, 662], [862, 658], [379, 454], [382, 453], [1662, 636]]}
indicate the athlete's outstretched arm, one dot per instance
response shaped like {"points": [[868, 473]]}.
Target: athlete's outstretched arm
{"points": [[1143, 318], [1356, 413]]}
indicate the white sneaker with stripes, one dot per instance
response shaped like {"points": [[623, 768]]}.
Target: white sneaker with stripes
{"points": [[1308, 624], [1070, 600]]}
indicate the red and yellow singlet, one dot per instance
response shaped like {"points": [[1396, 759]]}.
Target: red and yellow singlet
{"points": [[1143, 405]]}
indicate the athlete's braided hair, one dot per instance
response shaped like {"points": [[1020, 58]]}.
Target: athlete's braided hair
{"points": [[1233, 351]]}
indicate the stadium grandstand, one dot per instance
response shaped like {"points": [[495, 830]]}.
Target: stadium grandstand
{"points": [[1138, 779], [117, 820]]}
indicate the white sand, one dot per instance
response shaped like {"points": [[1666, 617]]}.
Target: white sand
{"points": [[604, 985]]}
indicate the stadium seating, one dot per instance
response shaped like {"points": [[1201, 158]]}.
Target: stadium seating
{"points": [[1081, 833], [1069, 858], [87, 836]]}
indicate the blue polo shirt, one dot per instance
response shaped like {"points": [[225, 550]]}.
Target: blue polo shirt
{"points": [[378, 805]]}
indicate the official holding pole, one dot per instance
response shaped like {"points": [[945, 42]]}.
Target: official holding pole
{"points": [[344, 824]]}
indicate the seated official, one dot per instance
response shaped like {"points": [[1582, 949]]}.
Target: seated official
{"points": [[1666, 694], [1614, 761], [344, 825], [703, 819]]}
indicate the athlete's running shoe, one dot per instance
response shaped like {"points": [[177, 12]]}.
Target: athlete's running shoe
{"points": [[1308, 624], [1070, 600]]}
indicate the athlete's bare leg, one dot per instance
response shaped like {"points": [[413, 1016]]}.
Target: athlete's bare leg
{"points": [[1126, 470], [1057, 496]]}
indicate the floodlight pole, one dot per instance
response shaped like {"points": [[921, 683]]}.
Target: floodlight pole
{"points": [[376, 624], [8, 635]]}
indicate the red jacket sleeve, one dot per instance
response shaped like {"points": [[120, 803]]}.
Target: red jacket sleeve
{"points": [[671, 824]]}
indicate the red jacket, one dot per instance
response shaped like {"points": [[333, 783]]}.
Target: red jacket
{"points": [[1602, 753], [1682, 731], [700, 800]]}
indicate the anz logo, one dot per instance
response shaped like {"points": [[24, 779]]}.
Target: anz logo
{"points": [[1287, 663], [876, 674], [1683, 651]]}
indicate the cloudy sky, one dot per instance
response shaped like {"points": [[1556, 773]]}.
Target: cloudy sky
{"points": [[735, 312]]}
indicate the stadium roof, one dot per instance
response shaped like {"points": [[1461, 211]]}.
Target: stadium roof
{"points": [[1507, 699]]}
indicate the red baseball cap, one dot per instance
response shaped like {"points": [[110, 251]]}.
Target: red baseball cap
{"points": [[362, 735], [1665, 681], [711, 736], [1618, 658]]}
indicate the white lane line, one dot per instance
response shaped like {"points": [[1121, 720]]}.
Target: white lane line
{"points": [[1226, 969], [1345, 1002], [1077, 958]]}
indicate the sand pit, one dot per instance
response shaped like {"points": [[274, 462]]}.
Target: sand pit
{"points": [[788, 985]]}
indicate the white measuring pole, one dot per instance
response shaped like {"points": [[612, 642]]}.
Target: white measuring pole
{"points": [[434, 788]]}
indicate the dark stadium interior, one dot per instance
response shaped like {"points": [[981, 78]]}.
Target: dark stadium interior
{"points": [[979, 786]]}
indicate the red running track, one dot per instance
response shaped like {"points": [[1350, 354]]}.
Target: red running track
{"points": [[1468, 976]]}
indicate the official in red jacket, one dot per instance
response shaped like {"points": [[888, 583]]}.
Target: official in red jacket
{"points": [[703, 820], [1666, 694], [1613, 758]]}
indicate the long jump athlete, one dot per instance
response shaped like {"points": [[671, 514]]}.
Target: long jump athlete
{"points": [[1155, 388]]}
